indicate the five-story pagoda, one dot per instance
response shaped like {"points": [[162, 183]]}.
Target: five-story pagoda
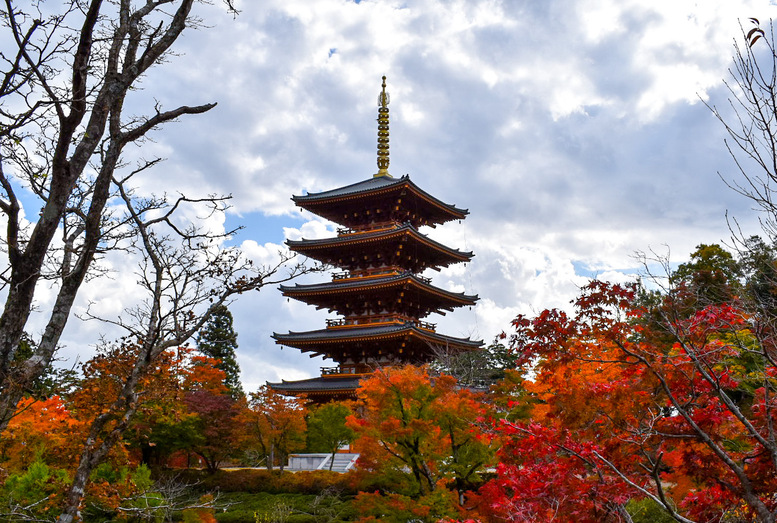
{"points": [[379, 293]]}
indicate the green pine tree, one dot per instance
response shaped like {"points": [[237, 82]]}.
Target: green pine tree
{"points": [[218, 339]]}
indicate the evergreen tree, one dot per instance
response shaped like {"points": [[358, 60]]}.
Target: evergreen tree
{"points": [[218, 339], [711, 277], [759, 264]]}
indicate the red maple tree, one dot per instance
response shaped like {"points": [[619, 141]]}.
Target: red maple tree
{"points": [[633, 399]]}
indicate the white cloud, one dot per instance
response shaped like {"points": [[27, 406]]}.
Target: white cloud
{"points": [[571, 130]]}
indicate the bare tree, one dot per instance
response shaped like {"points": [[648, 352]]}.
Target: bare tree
{"points": [[186, 276], [167, 497], [478, 368], [751, 125], [62, 133], [751, 121]]}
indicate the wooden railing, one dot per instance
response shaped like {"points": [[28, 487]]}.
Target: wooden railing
{"points": [[367, 273], [426, 325], [345, 370], [374, 320], [345, 231]]}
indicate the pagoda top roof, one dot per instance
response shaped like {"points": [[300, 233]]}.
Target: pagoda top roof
{"points": [[378, 186], [370, 184]]}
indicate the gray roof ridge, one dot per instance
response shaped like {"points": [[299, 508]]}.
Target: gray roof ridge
{"points": [[364, 185], [372, 184]]}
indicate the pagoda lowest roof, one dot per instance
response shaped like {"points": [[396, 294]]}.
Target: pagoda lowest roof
{"points": [[328, 385], [325, 203]]}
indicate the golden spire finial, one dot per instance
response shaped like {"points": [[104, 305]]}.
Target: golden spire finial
{"points": [[383, 132]]}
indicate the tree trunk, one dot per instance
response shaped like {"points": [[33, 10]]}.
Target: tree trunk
{"points": [[332, 460]]}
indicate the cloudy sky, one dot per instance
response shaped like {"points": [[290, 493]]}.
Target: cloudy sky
{"points": [[572, 130]]}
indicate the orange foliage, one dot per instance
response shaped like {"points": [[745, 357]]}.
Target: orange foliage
{"points": [[276, 424], [202, 374], [41, 429], [421, 435]]}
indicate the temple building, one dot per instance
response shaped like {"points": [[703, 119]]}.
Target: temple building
{"points": [[378, 293]]}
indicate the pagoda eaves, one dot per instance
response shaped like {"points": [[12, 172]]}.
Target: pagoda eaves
{"points": [[406, 292], [381, 199], [414, 342], [328, 387], [401, 246]]}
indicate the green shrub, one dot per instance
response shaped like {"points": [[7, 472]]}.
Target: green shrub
{"points": [[141, 477], [289, 508], [39, 486], [258, 495], [109, 474], [647, 511], [260, 480], [144, 507], [249, 508]]}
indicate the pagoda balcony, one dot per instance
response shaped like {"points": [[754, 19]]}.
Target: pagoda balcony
{"points": [[345, 370], [374, 320], [426, 325], [372, 273], [372, 227]]}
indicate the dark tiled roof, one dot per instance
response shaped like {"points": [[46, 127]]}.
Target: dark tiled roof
{"points": [[339, 241], [317, 384], [375, 184], [373, 282], [378, 331], [366, 185]]}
